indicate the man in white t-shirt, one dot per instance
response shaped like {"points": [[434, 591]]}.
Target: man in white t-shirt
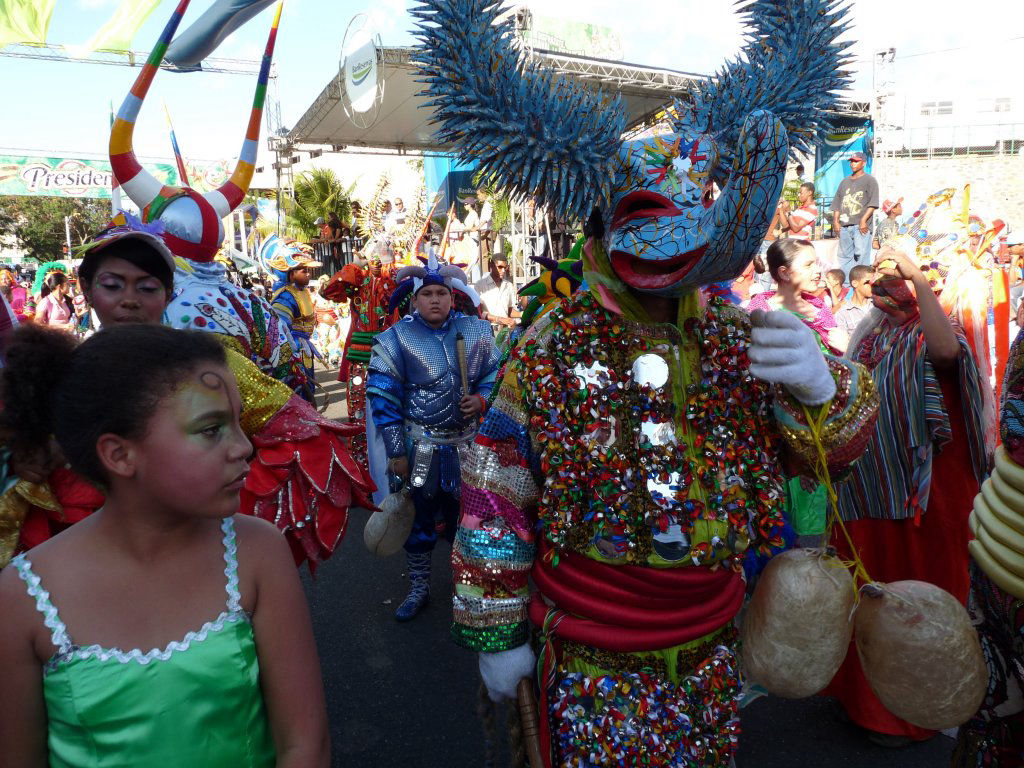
{"points": [[396, 216], [498, 297]]}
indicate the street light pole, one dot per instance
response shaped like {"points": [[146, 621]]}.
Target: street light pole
{"points": [[67, 234]]}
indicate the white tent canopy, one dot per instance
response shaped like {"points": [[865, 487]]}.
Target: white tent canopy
{"points": [[403, 120]]}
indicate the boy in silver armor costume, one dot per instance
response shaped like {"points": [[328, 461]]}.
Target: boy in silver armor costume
{"points": [[424, 412]]}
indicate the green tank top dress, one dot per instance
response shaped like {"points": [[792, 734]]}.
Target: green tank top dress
{"points": [[195, 703]]}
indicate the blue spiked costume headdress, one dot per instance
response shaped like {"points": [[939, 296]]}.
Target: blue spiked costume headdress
{"points": [[657, 228]]}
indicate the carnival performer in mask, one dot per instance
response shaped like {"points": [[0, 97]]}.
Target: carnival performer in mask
{"points": [[906, 502], [302, 475], [369, 290], [633, 456], [289, 262], [419, 407]]}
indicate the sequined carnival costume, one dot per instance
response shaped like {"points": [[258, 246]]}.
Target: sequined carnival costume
{"points": [[414, 389], [291, 300], [302, 473], [370, 291], [632, 461]]}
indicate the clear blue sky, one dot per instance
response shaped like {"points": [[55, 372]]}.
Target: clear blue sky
{"points": [[57, 107]]}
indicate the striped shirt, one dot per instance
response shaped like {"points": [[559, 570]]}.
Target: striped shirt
{"points": [[892, 480], [801, 221]]}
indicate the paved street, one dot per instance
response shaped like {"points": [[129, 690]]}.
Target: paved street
{"points": [[404, 696]]}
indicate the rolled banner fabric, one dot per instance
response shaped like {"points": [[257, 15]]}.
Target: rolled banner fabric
{"points": [[211, 29]]}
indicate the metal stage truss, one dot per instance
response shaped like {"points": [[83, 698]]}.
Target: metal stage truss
{"points": [[404, 122], [125, 59]]}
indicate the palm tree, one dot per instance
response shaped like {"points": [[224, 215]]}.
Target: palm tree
{"points": [[318, 193]]}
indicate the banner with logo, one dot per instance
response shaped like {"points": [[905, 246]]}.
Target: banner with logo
{"points": [[69, 177], [360, 71], [451, 179], [848, 135]]}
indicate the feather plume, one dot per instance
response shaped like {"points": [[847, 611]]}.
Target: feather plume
{"points": [[791, 65], [531, 131]]}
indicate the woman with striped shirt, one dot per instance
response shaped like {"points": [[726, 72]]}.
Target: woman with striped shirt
{"points": [[907, 500]]}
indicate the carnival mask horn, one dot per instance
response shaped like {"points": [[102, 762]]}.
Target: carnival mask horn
{"points": [[656, 219], [192, 221]]}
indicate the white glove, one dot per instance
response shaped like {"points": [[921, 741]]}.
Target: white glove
{"points": [[785, 351], [503, 670]]}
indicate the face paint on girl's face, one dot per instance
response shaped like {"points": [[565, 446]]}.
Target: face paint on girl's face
{"points": [[194, 454]]}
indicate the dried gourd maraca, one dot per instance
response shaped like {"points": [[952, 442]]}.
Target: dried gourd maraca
{"points": [[389, 527], [796, 629], [920, 654]]}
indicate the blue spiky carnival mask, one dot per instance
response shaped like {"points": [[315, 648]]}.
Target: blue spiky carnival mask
{"points": [[552, 140]]}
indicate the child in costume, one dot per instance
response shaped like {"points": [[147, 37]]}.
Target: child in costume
{"points": [[289, 262], [422, 412], [152, 415], [633, 459], [302, 474]]}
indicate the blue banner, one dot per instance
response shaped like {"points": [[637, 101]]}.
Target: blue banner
{"points": [[848, 135], [449, 178]]}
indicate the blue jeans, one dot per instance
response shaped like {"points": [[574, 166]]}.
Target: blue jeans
{"points": [[854, 248]]}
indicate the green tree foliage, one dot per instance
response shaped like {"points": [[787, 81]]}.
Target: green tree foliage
{"points": [[318, 193], [501, 206], [37, 223]]}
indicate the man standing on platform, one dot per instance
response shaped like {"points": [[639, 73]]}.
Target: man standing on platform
{"points": [[852, 207], [485, 223], [498, 293]]}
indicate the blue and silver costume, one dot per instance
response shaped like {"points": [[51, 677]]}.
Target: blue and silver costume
{"points": [[414, 387]]}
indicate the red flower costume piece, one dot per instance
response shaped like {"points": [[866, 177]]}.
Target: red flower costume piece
{"points": [[70, 498], [303, 479]]}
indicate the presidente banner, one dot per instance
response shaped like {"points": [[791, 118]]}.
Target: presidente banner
{"points": [[70, 177]]}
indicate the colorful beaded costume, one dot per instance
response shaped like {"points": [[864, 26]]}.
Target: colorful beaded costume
{"points": [[631, 467]]}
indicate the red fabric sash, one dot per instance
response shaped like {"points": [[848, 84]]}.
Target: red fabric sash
{"points": [[631, 608], [628, 608]]}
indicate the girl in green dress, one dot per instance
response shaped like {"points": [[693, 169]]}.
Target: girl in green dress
{"points": [[164, 629]]}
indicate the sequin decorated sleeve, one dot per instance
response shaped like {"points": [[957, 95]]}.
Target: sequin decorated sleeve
{"points": [[489, 373], [494, 547], [385, 390], [847, 425], [262, 397]]}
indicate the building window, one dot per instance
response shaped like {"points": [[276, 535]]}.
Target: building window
{"points": [[1002, 105], [929, 108]]}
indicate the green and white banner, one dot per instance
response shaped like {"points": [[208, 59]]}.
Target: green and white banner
{"points": [[70, 177]]}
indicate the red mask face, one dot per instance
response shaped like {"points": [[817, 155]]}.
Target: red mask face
{"points": [[893, 295]]}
